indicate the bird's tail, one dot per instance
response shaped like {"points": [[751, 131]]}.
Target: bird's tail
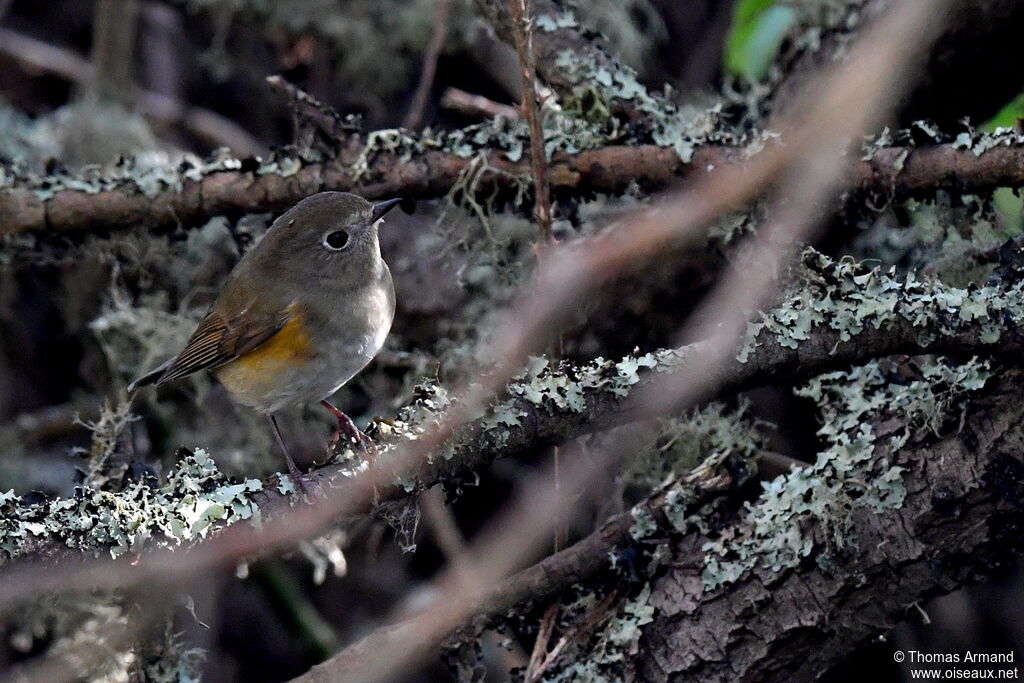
{"points": [[151, 377]]}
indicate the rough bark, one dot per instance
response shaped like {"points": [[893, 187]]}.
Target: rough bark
{"points": [[960, 521]]}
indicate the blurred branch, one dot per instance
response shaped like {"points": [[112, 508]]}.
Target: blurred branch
{"points": [[54, 422], [115, 23], [971, 72], [208, 126]]}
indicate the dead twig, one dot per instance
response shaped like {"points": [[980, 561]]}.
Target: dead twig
{"points": [[522, 30], [469, 104], [581, 628], [540, 645]]}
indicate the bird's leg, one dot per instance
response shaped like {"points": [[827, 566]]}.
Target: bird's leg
{"points": [[347, 427], [297, 477]]}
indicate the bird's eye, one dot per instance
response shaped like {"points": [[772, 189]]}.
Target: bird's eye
{"points": [[336, 241]]}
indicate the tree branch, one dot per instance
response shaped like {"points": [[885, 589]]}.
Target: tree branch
{"points": [[856, 315], [903, 502], [205, 124], [220, 187], [957, 524], [523, 32]]}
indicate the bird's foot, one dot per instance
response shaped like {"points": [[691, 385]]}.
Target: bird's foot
{"points": [[300, 481], [352, 433]]}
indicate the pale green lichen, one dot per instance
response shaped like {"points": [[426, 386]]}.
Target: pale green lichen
{"points": [[599, 90], [152, 173], [810, 509], [643, 525], [195, 497], [981, 142], [976, 141], [563, 388], [847, 297]]}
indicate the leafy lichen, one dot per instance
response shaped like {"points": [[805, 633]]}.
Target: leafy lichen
{"points": [[847, 296], [195, 496], [810, 509]]}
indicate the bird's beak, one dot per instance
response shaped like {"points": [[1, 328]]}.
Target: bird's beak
{"points": [[381, 208]]}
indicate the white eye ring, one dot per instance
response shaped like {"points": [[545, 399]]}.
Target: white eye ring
{"points": [[336, 240]]}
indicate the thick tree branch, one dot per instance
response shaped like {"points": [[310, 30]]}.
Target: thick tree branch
{"points": [[205, 124], [903, 502], [958, 523]]}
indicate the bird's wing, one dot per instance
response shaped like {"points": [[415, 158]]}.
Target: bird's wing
{"points": [[220, 339]]}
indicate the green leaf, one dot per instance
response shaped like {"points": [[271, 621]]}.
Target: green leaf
{"points": [[1008, 115], [758, 29]]}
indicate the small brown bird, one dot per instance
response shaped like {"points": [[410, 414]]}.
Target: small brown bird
{"points": [[304, 311]]}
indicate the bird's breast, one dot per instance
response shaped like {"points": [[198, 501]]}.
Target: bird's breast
{"points": [[317, 351]]}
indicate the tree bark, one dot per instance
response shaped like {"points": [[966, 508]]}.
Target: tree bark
{"points": [[961, 520]]}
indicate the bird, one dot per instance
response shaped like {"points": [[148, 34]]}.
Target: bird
{"points": [[301, 314]]}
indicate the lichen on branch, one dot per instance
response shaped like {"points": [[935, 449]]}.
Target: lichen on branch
{"points": [[848, 314]]}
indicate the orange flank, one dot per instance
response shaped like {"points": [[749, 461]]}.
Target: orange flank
{"points": [[257, 373]]}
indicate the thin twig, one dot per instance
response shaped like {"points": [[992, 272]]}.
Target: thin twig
{"points": [[196, 195], [469, 104], [522, 30], [582, 627], [540, 646], [414, 118]]}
